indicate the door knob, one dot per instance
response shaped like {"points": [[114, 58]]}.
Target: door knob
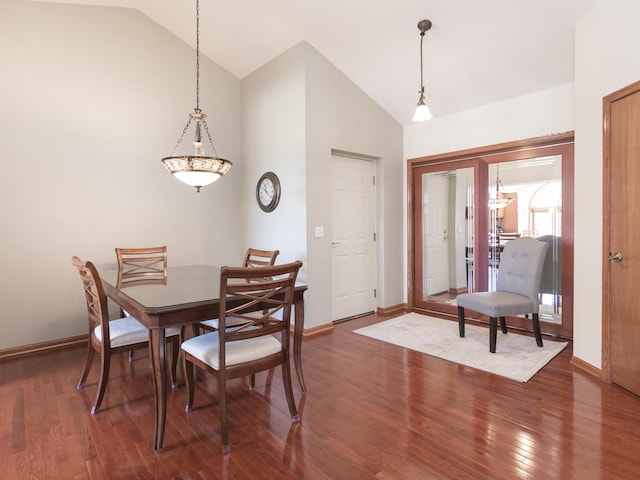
{"points": [[615, 256]]}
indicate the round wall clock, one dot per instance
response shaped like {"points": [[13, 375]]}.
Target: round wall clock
{"points": [[268, 192]]}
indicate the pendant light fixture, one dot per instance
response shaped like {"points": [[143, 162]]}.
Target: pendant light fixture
{"points": [[198, 169], [500, 199], [422, 110]]}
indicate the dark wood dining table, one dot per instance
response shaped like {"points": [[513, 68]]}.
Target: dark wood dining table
{"points": [[188, 295]]}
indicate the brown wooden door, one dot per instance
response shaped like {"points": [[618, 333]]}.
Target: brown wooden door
{"points": [[621, 319]]}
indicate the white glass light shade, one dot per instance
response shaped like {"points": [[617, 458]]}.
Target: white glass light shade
{"points": [[422, 113], [197, 171]]}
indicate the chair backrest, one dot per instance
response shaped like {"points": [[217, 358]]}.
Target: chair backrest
{"points": [[260, 258], [97, 309], [141, 266], [246, 290], [551, 281], [520, 268]]}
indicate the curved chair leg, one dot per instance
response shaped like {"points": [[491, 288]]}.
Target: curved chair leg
{"points": [[175, 350], [536, 329], [461, 320], [104, 378], [87, 366], [503, 324], [288, 391], [190, 378], [493, 333]]}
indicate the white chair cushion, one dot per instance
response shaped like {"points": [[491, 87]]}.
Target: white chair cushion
{"points": [[205, 348], [128, 330]]}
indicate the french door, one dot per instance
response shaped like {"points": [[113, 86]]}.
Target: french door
{"points": [[465, 206]]}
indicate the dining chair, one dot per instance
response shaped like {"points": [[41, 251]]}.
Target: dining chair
{"points": [[252, 258], [110, 337], [258, 344], [140, 266], [517, 289]]}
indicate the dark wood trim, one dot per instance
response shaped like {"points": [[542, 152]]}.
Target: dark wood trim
{"points": [[43, 347], [585, 367], [521, 149], [393, 310], [606, 222]]}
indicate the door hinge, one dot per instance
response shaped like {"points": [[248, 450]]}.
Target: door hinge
{"points": [[375, 293], [374, 236], [374, 180]]}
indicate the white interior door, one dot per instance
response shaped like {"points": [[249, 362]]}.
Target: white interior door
{"points": [[436, 235], [353, 230]]}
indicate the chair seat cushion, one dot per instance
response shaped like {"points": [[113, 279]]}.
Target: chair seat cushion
{"points": [[205, 348], [129, 331], [230, 322], [496, 304]]}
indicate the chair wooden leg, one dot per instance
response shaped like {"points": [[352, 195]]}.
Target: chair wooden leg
{"points": [[190, 379], [104, 378], [252, 385], [175, 350], [288, 391], [503, 324], [536, 329], [461, 320], [493, 333], [87, 366], [222, 405]]}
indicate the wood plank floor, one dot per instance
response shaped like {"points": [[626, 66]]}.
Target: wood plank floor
{"points": [[373, 411]]}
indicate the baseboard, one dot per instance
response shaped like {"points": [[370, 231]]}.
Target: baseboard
{"points": [[586, 367], [42, 347], [394, 309], [318, 330]]}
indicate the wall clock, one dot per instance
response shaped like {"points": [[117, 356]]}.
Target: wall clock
{"points": [[268, 191]]}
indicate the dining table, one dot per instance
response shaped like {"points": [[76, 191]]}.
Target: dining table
{"points": [[186, 296]]}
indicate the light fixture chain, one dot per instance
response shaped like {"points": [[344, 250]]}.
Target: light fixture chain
{"points": [[421, 65], [206, 129], [184, 131], [197, 55]]}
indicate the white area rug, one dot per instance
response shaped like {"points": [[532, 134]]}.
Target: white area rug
{"points": [[517, 356]]}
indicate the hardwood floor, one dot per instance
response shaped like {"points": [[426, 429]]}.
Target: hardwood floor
{"points": [[372, 411]]}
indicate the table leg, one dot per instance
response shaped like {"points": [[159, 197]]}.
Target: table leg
{"points": [[158, 345], [297, 342]]}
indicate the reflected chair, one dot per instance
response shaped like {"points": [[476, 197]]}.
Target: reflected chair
{"points": [[517, 289], [252, 258], [551, 281], [109, 337], [258, 344]]}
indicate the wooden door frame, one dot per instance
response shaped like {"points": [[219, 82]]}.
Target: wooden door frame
{"points": [[606, 190], [517, 148]]}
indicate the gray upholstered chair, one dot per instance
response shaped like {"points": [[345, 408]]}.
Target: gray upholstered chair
{"points": [[517, 289], [551, 280]]}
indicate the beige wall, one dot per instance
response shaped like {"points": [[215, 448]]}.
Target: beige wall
{"points": [[296, 110], [91, 99]]}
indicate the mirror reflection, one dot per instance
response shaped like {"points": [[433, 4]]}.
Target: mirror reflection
{"points": [[525, 199]]}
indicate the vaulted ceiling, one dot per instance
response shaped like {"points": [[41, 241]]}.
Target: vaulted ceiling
{"points": [[477, 52]]}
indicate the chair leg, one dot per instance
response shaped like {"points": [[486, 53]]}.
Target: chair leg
{"points": [[131, 356], [222, 405], [87, 366], [190, 379], [288, 391], [493, 333], [536, 329], [503, 324], [252, 385], [175, 350], [104, 378], [461, 320]]}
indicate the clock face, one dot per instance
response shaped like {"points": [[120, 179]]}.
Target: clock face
{"points": [[268, 192]]}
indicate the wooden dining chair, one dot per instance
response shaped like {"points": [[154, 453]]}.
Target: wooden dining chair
{"points": [[141, 266], [260, 343], [252, 258], [109, 337]]}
